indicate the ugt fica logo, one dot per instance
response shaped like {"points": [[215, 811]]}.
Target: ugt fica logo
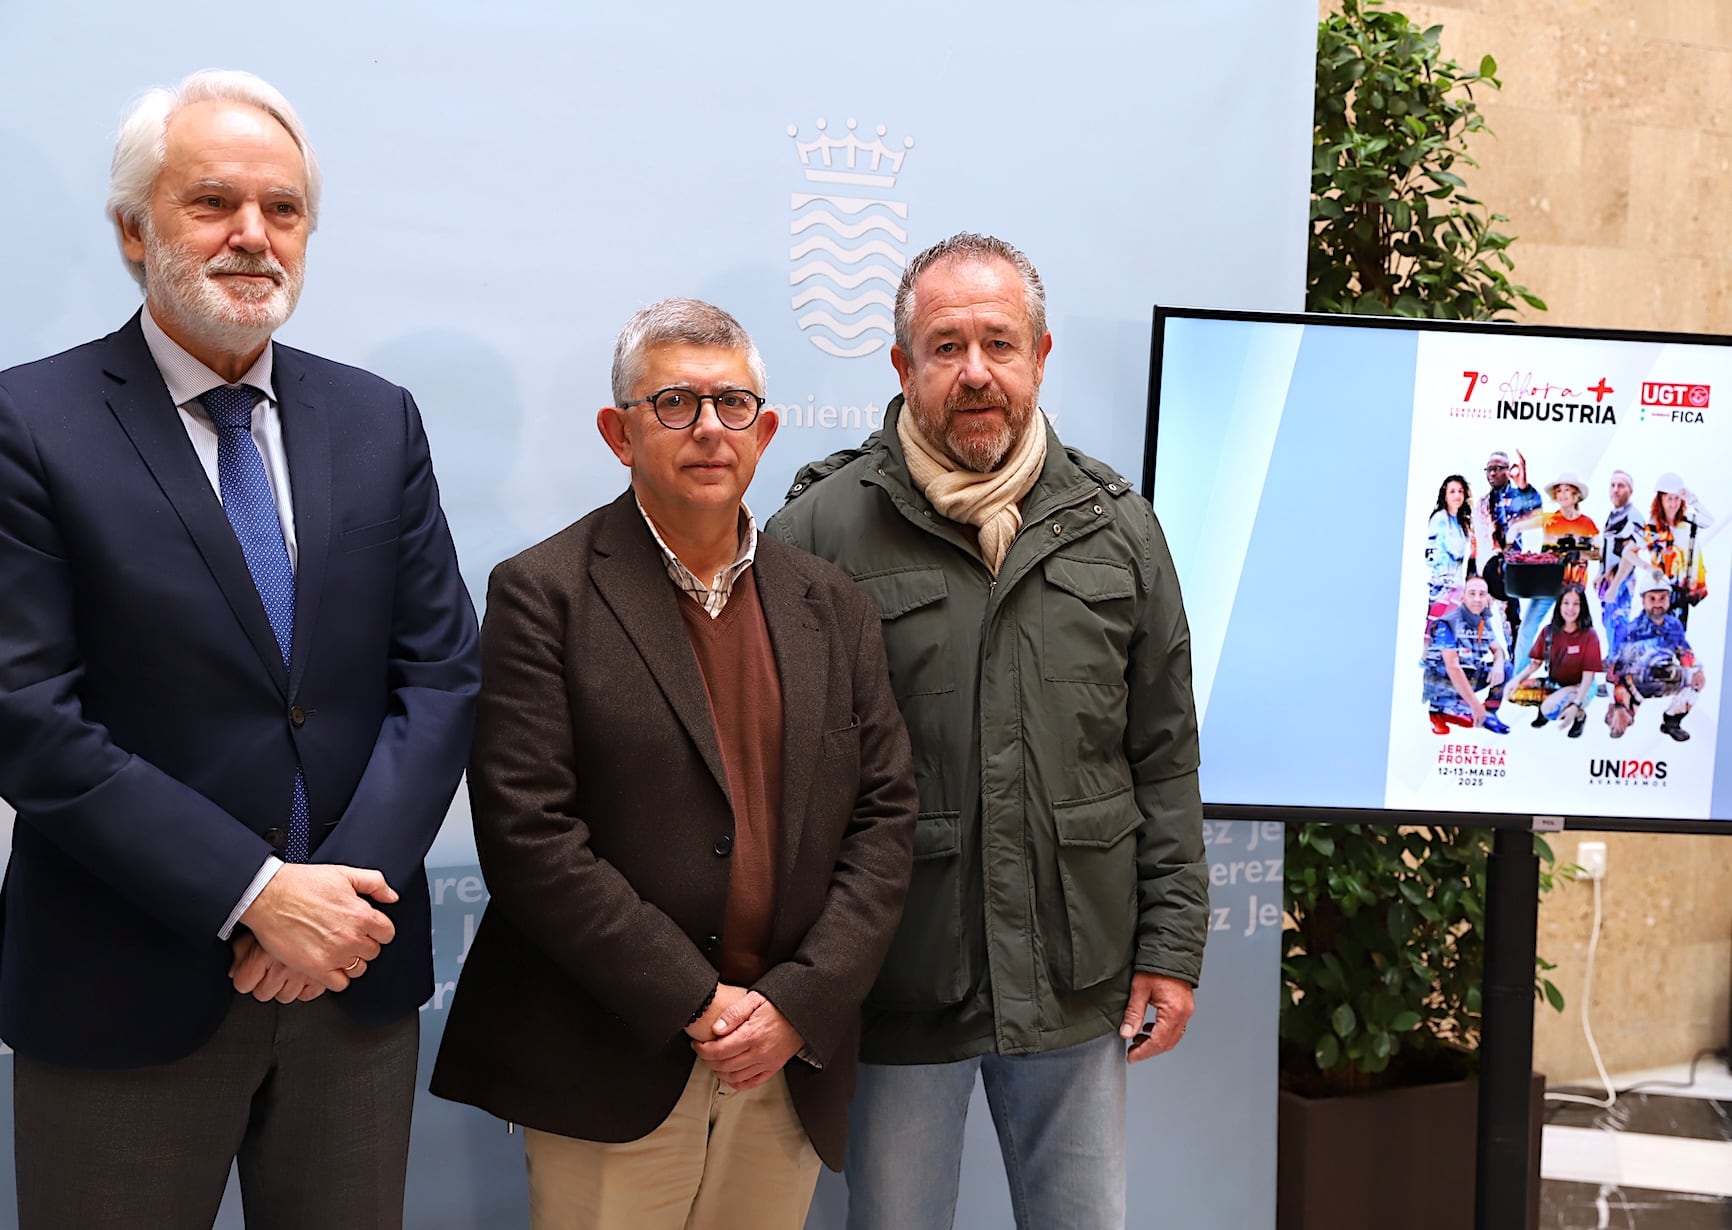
{"points": [[850, 241], [1671, 402]]}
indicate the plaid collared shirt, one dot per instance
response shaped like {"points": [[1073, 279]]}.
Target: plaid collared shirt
{"points": [[714, 596]]}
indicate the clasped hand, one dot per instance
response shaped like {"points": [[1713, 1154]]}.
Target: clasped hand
{"points": [[744, 1038], [309, 931]]}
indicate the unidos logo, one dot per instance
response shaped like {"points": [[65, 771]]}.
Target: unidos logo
{"points": [[1634, 771], [850, 240]]}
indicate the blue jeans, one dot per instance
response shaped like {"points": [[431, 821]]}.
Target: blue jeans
{"points": [[1555, 702], [1061, 1129], [1536, 614]]}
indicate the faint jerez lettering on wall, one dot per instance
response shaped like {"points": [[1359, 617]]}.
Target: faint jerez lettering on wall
{"points": [[459, 896], [1245, 862]]}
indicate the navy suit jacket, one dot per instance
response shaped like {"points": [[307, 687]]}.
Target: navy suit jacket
{"points": [[149, 732]]}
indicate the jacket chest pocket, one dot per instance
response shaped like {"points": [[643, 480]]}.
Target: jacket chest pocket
{"points": [[913, 605], [1087, 611], [362, 537]]}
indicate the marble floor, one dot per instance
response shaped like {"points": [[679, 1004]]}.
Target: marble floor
{"points": [[1660, 1159]]}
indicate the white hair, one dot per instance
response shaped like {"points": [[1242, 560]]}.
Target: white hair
{"points": [[142, 143]]}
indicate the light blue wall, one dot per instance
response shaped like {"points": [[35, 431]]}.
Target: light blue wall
{"points": [[507, 181]]}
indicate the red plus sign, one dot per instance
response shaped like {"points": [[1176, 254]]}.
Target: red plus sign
{"points": [[1600, 390]]}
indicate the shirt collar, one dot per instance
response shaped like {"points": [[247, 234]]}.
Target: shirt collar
{"points": [[725, 579], [187, 378]]}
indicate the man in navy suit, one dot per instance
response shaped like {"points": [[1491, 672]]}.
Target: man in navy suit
{"points": [[237, 678]]}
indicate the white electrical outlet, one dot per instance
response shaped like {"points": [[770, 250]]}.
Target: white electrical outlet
{"points": [[1591, 858]]}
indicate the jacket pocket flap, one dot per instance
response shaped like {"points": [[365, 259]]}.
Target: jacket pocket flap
{"points": [[1098, 822], [897, 593], [843, 742], [936, 833], [1090, 580]]}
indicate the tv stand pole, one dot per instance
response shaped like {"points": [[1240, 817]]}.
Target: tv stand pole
{"points": [[1503, 1192]]}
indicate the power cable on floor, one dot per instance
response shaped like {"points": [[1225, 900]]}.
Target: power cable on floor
{"points": [[1683, 1084], [1611, 1098]]}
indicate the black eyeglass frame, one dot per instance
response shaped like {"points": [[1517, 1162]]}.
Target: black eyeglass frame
{"points": [[653, 400]]}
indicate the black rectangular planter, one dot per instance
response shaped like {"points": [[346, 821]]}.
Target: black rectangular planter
{"points": [[1401, 1159]]}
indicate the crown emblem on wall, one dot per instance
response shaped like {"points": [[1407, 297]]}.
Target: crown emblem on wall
{"points": [[847, 159], [847, 249]]}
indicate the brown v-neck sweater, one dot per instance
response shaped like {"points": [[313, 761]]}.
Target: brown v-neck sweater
{"points": [[739, 670]]}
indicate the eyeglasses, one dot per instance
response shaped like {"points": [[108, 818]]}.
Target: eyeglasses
{"points": [[677, 408], [1492, 469]]}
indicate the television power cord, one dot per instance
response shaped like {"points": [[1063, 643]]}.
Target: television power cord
{"points": [[1612, 1092], [1611, 1098], [1688, 1083]]}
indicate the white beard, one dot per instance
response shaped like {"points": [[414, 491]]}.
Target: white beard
{"points": [[231, 319]]}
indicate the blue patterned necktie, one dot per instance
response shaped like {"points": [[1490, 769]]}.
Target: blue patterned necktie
{"points": [[251, 510]]}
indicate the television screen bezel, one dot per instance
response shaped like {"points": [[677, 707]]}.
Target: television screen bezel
{"points": [[1310, 814]]}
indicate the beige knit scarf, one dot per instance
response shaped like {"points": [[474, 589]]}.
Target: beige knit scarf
{"points": [[989, 501]]}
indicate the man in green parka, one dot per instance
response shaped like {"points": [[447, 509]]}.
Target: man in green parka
{"points": [[1039, 653]]}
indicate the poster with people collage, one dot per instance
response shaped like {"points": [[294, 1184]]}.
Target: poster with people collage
{"points": [[1563, 589]]}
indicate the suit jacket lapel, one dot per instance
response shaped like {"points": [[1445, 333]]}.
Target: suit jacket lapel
{"points": [[795, 621], [306, 440], [139, 400], [631, 577]]}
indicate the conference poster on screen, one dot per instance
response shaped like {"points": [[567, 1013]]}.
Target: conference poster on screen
{"points": [[1564, 581]]}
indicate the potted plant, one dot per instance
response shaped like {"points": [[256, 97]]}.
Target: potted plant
{"points": [[1393, 230], [1381, 967], [1384, 950]]}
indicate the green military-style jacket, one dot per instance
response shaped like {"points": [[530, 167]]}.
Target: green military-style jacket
{"points": [[1059, 844]]}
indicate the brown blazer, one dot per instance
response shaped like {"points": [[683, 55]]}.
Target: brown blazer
{"points": [[599, 799]]}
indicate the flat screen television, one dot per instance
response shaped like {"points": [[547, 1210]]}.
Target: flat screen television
{"points": [[1405, 545]]}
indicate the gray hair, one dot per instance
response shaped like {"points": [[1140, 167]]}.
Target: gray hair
{"points": [[967, 246], [142, 143], [673, 322]]}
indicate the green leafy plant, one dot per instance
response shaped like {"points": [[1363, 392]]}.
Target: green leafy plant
{"points": [[1393, 229], [1384, 953]]}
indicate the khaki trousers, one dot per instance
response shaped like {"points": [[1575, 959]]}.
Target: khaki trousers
{"points": [[721, 1160]]}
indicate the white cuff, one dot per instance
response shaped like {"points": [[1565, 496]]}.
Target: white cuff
{"points": [[272, 865]]}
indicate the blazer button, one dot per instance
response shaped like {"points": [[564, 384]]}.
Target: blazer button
{"points": [[724, 844], [297, 715], [276, 837], [712, 943]]}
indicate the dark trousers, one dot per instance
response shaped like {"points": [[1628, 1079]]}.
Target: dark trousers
{"points": [[313, 1106]]}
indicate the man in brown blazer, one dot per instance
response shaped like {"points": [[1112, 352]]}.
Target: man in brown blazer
{"points": [[694, 808]]}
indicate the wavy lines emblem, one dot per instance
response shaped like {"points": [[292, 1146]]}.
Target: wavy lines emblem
{"points": [[849, 239]]}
